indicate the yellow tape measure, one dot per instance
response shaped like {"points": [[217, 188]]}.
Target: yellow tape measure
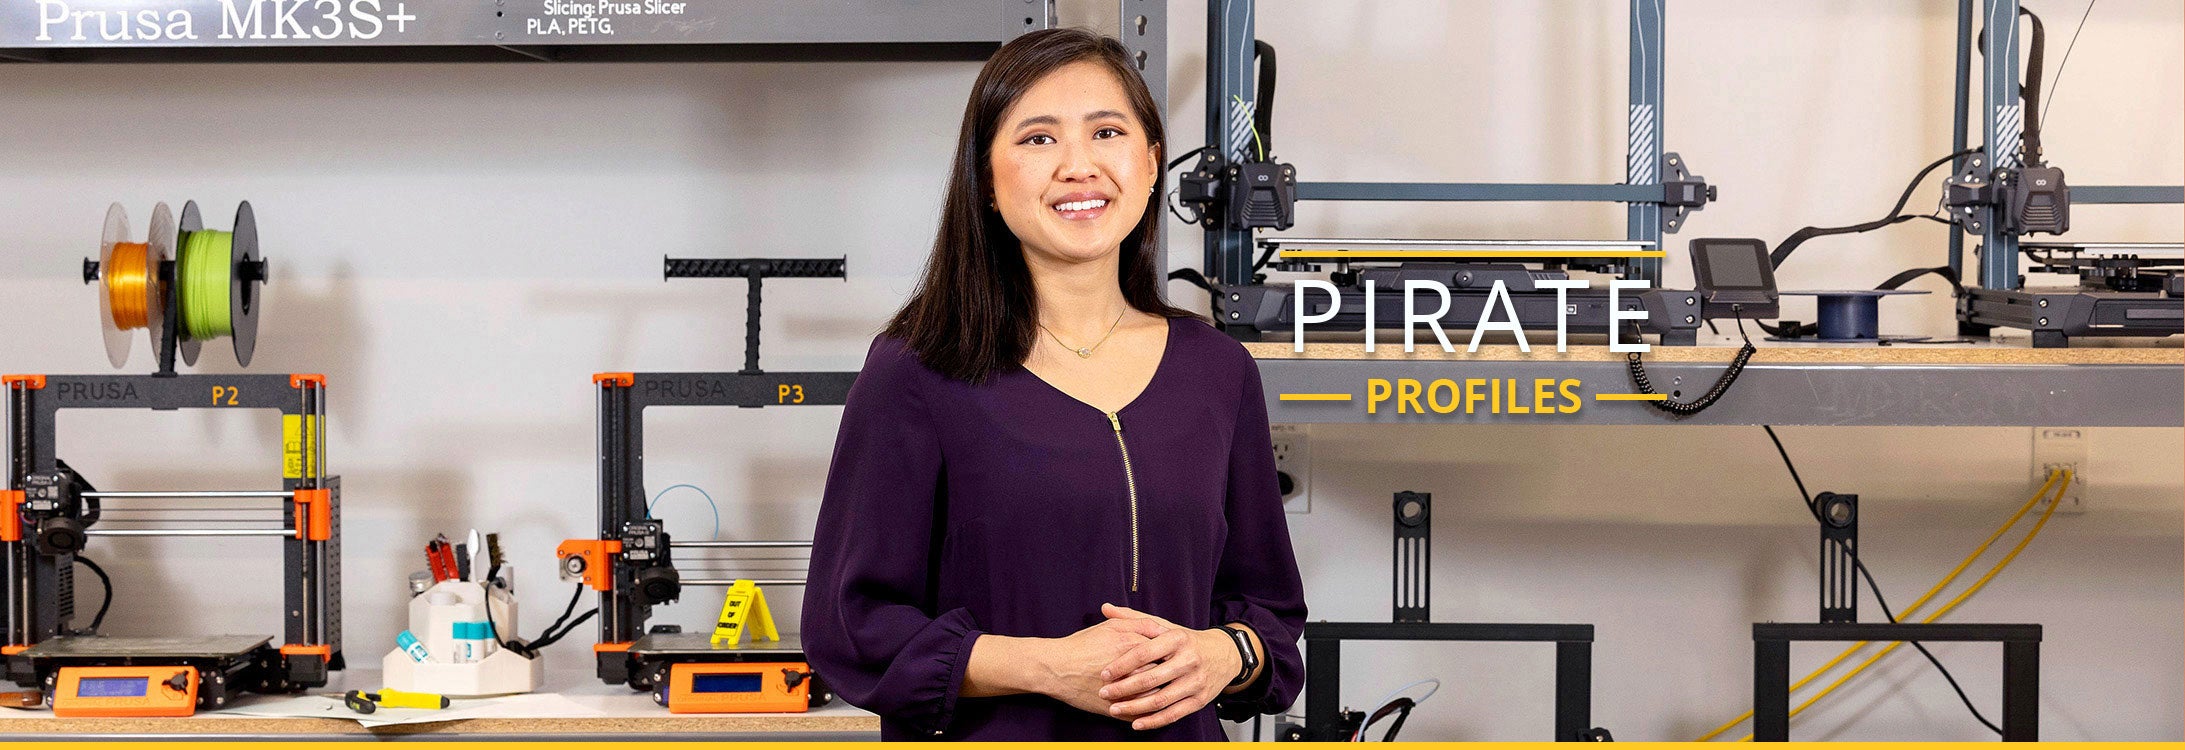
{"points": [[745, 606]]}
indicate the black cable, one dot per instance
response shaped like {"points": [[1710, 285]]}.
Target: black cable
{"points": [[1263, 100], [552, 635], [549, 640], [1399, 708], [1896, 214], [546, 637], [2030, 86], [1193, 276], [2052, 85], [2030, 90], [495, 629], [1178, 161], [574, 597], [1722, 384], [106, 600], [1884, 604], [1860, 566], [1197, 216], [1266, 254]]}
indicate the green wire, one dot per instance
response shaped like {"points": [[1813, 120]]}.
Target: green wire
{"points": [[1255, 131], [206, 275]]}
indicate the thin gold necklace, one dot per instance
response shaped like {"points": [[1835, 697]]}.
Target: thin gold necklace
{"points": [[1086, 352]]}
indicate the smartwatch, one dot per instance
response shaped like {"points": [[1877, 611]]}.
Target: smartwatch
{"points": [[1245, 654]]}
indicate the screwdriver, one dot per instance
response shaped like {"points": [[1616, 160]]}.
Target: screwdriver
{"points": [[364, 703]]}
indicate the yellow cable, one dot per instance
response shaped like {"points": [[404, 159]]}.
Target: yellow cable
{"points": [[1916, 603], [1975, 588]]}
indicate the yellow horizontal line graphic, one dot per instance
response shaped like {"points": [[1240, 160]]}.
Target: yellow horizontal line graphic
{"points": [[1631, 397], [1315, 397], [1475, 254]]}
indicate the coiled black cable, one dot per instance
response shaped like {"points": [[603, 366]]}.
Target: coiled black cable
{"points": [[1722, 384]]}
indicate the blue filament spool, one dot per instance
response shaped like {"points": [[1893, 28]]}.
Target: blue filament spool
{"points": [[1851, 316]]}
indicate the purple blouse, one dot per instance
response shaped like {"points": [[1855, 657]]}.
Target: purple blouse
{"points": [[954, 510]]}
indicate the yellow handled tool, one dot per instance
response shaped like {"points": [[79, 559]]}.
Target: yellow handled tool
{"points": [[389, 698]]}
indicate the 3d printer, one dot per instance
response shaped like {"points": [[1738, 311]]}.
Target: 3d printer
{"points": [[632, 563], [185, 285], [1237, 187]]}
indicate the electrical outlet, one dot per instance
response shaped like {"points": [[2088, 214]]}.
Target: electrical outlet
{"points": [[1293, 460], [2062, 448]]}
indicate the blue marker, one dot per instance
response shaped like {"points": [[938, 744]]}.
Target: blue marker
{"points": [[410, 645]]}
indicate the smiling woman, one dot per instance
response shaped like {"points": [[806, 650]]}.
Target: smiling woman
{"points": [[1052, 512]]}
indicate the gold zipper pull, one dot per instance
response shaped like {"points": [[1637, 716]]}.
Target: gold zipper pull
{"points": [[1116, 422]]}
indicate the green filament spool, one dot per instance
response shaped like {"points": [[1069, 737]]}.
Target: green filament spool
{"points": [[216, 284], [206, 276]]}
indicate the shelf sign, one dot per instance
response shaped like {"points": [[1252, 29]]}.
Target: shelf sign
{"points": [[576, 20], [215, 23]]}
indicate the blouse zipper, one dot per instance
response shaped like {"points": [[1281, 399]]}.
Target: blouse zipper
{"points": [[1130, 482]]}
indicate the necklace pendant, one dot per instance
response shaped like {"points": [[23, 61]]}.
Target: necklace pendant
{"points": [[1084, 354]]}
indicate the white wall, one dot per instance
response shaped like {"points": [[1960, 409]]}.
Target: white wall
{"points": [[459, 247]]}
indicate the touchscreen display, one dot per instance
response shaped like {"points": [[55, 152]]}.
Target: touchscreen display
{"points": [[1733, 266]]}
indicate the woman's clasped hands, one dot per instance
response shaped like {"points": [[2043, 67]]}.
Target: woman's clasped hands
{"points": [[1142, 669]]}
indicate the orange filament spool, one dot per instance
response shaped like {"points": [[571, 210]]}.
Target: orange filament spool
{"points": [[128, 277]]}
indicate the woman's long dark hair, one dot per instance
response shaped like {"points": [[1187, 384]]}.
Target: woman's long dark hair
{"points": [[973, 314]]}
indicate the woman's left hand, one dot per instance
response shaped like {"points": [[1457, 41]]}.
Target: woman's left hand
{"points": [[1169, 677]]}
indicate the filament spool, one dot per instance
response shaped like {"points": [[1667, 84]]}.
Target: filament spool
{"points": [[249, 274], [162, 242], [185, 346], [132, 293], [211, 285], [117, 338], [1852, 316], [217, 275]]}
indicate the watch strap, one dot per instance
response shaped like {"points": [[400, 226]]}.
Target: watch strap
{"points": [[1247, 658]]}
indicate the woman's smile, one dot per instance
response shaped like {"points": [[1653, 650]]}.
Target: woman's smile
{"points": [[1081, 206]]}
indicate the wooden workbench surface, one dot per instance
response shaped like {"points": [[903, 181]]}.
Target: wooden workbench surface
{"points": [[607, 710]]}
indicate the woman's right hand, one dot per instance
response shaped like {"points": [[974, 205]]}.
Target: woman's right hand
{"points": [[1073, 662]]}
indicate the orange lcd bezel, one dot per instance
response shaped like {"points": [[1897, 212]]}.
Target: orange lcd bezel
{"points": [[158, 698], [773, 696]]}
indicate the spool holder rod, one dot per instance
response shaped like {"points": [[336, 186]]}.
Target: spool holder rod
{"points": [[170, 330], [736, 545], [753, 271]]}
